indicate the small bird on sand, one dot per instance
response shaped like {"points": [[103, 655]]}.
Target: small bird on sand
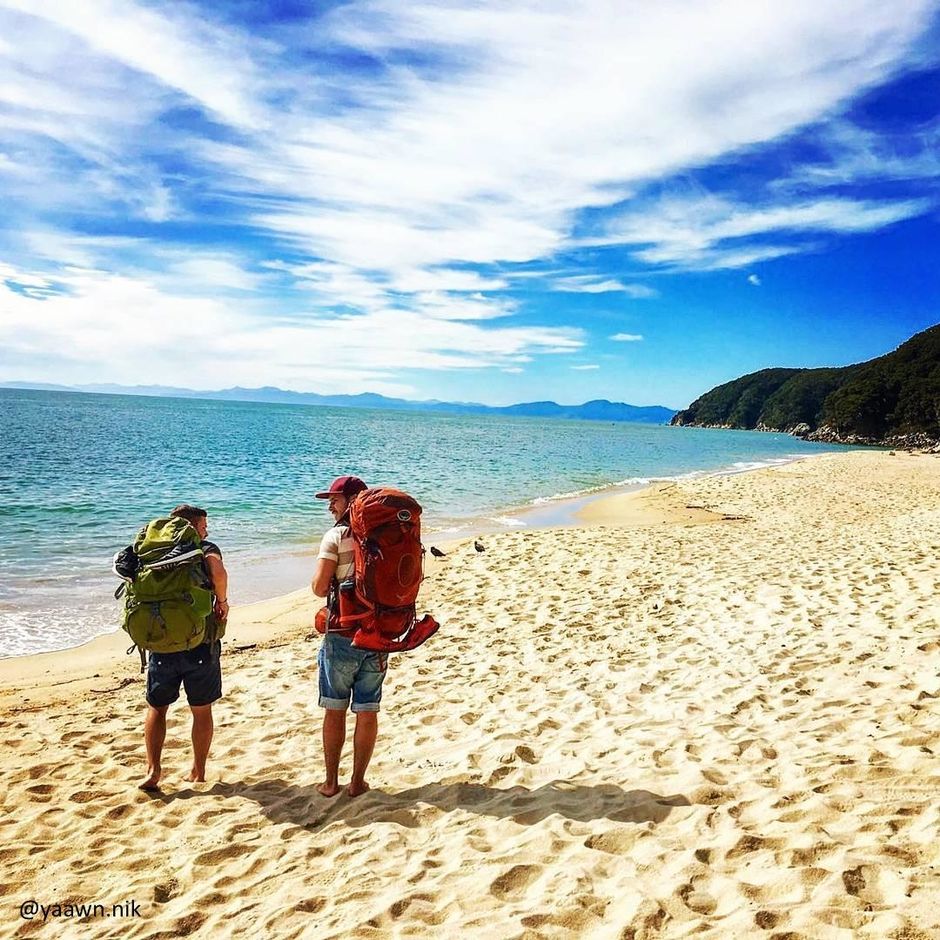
{"points": [[478, 545], [437, 553]]}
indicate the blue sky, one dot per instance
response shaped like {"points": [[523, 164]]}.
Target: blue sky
{"points": [[465, 201]]}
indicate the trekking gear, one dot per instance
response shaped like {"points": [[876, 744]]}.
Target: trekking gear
{"points": [[327, 618], [379, 601], [167, 593]]}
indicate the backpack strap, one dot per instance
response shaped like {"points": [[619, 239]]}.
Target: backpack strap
{"points": [[332, 595], [143, 655], [332, 603]]}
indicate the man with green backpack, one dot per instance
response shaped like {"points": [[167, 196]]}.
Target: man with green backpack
{"points": [[176, 604]]}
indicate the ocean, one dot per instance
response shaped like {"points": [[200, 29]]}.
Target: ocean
{"points": [[80, 473]]}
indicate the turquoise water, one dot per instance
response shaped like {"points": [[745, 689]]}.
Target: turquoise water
{"points": [[79, 474]]}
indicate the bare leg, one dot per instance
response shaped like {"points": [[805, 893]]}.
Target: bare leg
{"points": [[367, 727], [334, 737], [203, 728], [154, 736]]}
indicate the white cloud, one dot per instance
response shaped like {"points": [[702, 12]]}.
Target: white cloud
{"points": [[627, 337], [9, 166], [23, 279], [444, 279], [105, 324], [449, 307], [400, 183], [597, 284], [205, 62], [335, 284], [585, 368], [707, 232], [344, 286], [854, 154], [206, 271], [754, 280]]}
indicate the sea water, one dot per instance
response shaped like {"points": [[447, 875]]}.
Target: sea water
{"points": [[80, 473]]}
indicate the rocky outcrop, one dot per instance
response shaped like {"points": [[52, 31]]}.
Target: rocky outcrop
{"points": [[917, 441]]}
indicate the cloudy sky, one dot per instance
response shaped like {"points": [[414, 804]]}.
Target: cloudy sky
{"points": [[495, 202]]}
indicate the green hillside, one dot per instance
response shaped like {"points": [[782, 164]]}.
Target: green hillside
{"points": [[894, 399]]}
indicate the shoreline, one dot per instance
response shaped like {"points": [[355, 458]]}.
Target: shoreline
{"points": [[562, 511]]}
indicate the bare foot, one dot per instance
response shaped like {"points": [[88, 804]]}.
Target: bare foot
{"points": [[328, 789], [195, 777], [153, 780], [357, 789]]}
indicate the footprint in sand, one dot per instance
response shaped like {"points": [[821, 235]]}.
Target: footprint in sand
{"points": [[614, 842], [698, 901], [165, 891], [498, 775], [216, 856], [710, 796], [87, 796], [512, 883], [747, 844], [188, 924], [39, 770], [311, 905]]}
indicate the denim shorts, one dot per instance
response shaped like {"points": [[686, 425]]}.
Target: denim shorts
{"points": [[199, 670], [345, 671]]}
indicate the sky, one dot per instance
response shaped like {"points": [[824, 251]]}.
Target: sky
{"points": [[492, 202]]}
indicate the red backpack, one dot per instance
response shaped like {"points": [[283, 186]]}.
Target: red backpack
{"points": [[389, 558]]}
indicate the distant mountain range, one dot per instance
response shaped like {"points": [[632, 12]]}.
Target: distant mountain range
{"points": [[597, 410], [893, 400]]}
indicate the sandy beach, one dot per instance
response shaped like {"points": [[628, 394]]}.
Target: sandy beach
{"points": [[710, 709]]}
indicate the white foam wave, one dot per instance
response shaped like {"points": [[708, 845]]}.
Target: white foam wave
{"points": [[746, 466], [740, 466], [590, 490], [23, 633]]}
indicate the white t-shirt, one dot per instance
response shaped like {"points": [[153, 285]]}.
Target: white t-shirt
{"points": [[338, 545]]}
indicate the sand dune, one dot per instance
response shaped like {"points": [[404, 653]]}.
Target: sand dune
{"points": [[717, 721]]}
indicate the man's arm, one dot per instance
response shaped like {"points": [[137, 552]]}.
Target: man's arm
{"points": [[219, 578], [322, 576]]}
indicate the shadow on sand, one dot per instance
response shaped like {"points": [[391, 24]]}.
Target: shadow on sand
{"points": [[302, 806]]}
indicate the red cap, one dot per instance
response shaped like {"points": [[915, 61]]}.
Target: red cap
{"points": [[344, 486]]}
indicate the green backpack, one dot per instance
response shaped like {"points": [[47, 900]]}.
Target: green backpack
{"points": [[168, 598]]}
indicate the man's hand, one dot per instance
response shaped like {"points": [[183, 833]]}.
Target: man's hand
{"points": [[326, 568], [219, 578]]}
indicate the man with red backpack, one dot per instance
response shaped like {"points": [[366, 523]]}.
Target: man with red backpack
{"points": [[345, 671], [369, 569]]}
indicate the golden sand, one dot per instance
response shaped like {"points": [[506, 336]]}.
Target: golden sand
{"points": [[711, 710]]}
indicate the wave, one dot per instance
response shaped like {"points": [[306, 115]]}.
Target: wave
{"points": [[739, 466]]}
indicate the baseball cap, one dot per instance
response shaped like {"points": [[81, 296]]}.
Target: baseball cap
{"points": [[347, 486]]}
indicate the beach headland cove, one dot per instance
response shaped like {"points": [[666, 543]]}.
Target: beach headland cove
{"points": [[711, 708]]}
